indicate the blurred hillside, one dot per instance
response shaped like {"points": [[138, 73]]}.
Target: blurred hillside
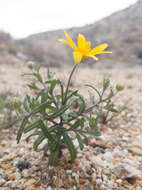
{"points": [[122, 31]]}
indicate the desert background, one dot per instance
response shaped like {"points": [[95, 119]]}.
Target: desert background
{"points": [[112, 162]]}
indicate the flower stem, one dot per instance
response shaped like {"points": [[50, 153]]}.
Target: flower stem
{"points": [[68, 84]]}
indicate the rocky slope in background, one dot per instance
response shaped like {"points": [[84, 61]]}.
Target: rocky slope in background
{"points": [[9, 50], [122, 31]]}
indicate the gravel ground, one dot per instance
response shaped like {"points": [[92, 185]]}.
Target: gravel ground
{"points": [[113, 162]]}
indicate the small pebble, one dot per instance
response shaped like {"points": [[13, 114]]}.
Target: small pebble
{"points": [[2, 181]]}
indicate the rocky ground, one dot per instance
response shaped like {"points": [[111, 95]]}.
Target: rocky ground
{"points": [[113, 162]]}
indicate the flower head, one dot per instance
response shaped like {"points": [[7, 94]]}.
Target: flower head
{"points": [[83, 50]]}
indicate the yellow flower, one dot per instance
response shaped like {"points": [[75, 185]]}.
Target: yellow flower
{"points": [[84, 48]]}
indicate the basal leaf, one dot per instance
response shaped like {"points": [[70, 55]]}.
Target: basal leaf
{"points": [[54, 156], [70, 145]]}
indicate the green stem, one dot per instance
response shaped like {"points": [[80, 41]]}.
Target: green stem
{"points": [[68, 84]]}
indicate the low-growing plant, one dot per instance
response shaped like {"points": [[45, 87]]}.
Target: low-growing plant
{"points": [[58, 114], [8, 105]]}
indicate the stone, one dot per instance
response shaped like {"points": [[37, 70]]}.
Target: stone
{"points": [[96, 143], [124, 171], [2, 181], [93, 178], [67, 183], [11, 156], [5, 166], [135, 151], [49, 188], [82, 180], [17, 175], [108, 156], [25, 173], [30, 182], [12, 177], [96, 160], [75, 142], [68, 172], [98, 150]]}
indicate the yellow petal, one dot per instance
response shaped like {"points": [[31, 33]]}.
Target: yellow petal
{"points": [[101, 52], [77, 56], [72, 44], [65, 41], [81, 42], [88, 45], [99, 48], [93, 57]]}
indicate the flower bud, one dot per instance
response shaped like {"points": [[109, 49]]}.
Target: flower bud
{"points": [[31, 65], [119, 87], [106, 83]]}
